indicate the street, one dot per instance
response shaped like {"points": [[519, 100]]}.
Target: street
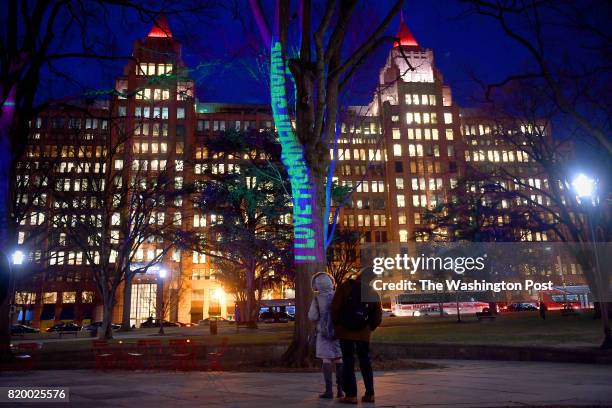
{"points": [[456, 383]]}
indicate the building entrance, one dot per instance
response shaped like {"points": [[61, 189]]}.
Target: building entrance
{"points": [[144, 299]]}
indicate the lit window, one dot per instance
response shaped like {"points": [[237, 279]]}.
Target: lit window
{"points": [[403, 235], [401, 218], [401, 201], [448, 117], [396, 134], [180, 113], [397, 150]]}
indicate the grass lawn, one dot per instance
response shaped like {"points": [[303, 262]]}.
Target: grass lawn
{"points": [[512, 329], [515, 329]]}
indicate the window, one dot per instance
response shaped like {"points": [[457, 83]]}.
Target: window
{"points": [[68, 297], [401, 201], [199, 220], [396, 134], [403, 235], [399, 167], [397, 150], [180, 113], [448, 117], [178, 182], [449, 134], [399, 183], [198, 258], [49, 298], [401, 218]]}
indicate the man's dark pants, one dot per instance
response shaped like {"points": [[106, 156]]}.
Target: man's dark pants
{"points": [[349, 382]]}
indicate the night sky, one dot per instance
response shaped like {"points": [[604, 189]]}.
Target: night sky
{"points": [[224, 41], [227, 42]]}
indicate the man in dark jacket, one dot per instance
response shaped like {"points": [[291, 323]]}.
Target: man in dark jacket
{"points": [[354, 321]]}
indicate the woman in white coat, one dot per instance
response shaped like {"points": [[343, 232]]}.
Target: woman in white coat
{"points": [[327, 346]]}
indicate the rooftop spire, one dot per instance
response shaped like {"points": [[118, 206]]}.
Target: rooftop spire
{"points": [[160, 28], [404, 34]]}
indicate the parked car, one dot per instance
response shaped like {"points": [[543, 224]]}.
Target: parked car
{"points": [[64, 327], [521, 307], [186, 324], [23, 329], [96, 325], [206, 322], [156, 323], [274, 317]]}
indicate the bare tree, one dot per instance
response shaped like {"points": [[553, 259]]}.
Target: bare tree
{"points": [[520, 120], [568, 85], [172, 288], [576, 78], [247, 193], [343, 255], [123, 221], [33, 44], [320, 71]]}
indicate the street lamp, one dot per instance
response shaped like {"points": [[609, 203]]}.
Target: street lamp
{"points": [[17, 258], [162, 273], [585, 187]]}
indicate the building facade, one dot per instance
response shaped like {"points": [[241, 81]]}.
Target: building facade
{"points": [[399, 156]]}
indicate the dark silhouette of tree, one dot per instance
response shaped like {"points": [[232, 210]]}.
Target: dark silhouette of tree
{"points": [[121, 210], [569, 86], [37, 40], [343, 254], [247, 194], [321, 70]]}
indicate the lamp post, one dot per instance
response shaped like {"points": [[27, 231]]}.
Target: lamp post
{"points": [[16, 258], [586, 191], [585, 188], [162, 273]]}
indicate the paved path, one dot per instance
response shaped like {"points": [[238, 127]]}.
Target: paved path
{"points": [[456, 384]]}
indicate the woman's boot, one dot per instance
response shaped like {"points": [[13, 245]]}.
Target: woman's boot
{"points": [[327, 376], [340, 394]]}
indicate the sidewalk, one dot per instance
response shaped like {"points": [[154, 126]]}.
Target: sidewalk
{"points": [[458, 383]]}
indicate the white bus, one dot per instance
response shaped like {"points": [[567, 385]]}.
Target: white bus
{"points": [[429, 304]]}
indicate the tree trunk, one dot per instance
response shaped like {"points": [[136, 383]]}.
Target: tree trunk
{"points": [[106, 330], [605, 320], [309, 259], [301, 352], [7, 116], [127, 302], [250, 295]]}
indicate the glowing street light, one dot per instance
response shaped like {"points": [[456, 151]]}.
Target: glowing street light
{"points": [[584, 186], [162, 273], [18, 257]]}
